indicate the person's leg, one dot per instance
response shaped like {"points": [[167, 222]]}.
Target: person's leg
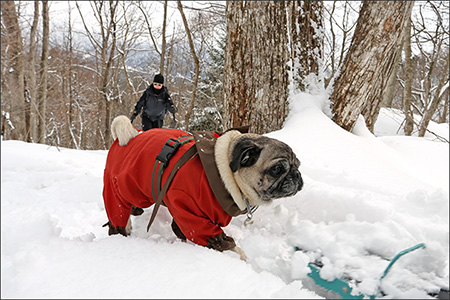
{"points": [[146, 123], [159, 123]]}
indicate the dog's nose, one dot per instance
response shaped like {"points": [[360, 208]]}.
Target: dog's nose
{"points": [[297, 178], [300, 185]]}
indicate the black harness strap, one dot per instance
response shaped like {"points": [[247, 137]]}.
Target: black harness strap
{"points": [[190, 153], [168, 150]]}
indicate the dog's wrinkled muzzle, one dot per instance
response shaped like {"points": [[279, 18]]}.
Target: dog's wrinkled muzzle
{"points": [[288, 186], [299, 181], [293, 182]]}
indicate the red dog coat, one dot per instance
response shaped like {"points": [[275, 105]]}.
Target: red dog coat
{"points": [[190, 199]]}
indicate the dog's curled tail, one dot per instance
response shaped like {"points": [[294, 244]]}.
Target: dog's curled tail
{"points": [[122, 129]]}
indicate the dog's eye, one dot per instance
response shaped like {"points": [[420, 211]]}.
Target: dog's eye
{"points": [[276, 170]]}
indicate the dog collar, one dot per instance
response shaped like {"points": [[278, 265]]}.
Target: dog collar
{"points": [[250, 211]]}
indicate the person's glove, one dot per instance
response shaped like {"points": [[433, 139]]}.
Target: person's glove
{"points": [[173, 109], [133, 116]]}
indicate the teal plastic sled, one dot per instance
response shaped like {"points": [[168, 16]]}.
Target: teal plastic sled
{"points": [[339, 286], [342, 287]]}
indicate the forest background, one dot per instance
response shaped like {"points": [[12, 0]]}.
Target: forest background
{"points": [[68, 68]]}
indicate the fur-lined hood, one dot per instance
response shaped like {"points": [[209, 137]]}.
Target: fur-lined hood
{"points": [[212, 151]]}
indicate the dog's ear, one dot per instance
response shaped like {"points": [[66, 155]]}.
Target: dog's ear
{"points": [[245, 154]]}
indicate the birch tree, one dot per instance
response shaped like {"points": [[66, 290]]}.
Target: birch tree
{"points": [[369, 62]]}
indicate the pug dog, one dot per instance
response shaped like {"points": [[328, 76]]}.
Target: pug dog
{"points": [[229, 175], [257, 168]]}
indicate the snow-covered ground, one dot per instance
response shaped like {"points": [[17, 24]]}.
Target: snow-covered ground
{"points": [[365, 197]]}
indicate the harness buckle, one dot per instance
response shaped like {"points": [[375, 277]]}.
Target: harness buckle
{"points": [[168, 150]]}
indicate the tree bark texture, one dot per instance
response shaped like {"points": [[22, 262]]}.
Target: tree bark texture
{"points": [[15, 100], [437, 97], [32, 110], [255, 72], [407, 92], [369, 62], [42, 93], [443, 115], [305, 29], [389, 90]]}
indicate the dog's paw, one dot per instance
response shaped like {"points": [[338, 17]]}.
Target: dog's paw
{"points": [[221, 242], [112, 230]]}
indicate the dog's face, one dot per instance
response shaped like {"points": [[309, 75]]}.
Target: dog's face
{"points": [[264, 168]]}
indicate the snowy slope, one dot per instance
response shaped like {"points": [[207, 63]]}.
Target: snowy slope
{"points": [[362, 195]]}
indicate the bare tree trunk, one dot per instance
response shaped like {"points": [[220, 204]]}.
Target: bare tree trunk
{"points": [[443, 116], [163, 47], [197, 67], [42, 94], [369, 62], [106, 73], [340, 29], [70, 115], [433, 63], [161, 52], [32, 109], [255, 73], [105, 47], [305, 28], [437, 96], [15, 99], [124, 50], [407, 92], [238, 94], [389, 91]]}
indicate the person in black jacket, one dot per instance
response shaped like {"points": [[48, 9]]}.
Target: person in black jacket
{"points": [[155, 102]]}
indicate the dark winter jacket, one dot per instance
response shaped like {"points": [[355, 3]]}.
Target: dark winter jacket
{"points": [[155, 104], [197, 199]]}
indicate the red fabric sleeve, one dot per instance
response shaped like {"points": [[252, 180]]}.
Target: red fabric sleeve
{"points": [[195, 225]]}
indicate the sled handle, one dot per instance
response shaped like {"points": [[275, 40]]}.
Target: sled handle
{"points": [[400, 254]]}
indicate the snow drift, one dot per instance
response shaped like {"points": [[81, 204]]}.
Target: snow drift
{"points": [[366, 197]]}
